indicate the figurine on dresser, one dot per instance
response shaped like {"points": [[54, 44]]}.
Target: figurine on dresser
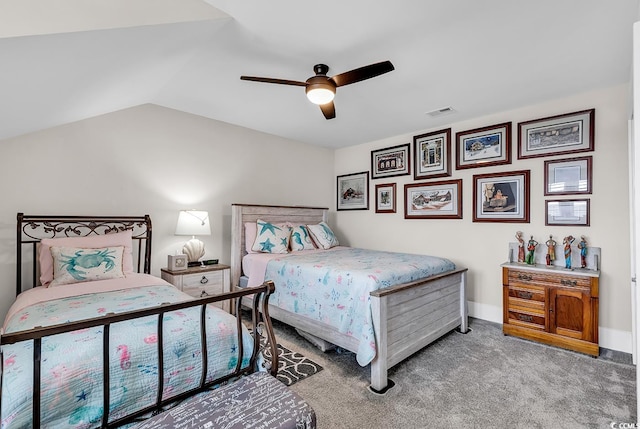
{"points": [[551, 250], [582, 245], [567, 241], [520, 246], [531, 249]]}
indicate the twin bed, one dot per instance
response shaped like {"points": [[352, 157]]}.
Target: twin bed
{"points": [[99, 344], [383, 306]]}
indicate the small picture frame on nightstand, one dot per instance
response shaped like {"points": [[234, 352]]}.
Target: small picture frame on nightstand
{"points": [[177, 262]]}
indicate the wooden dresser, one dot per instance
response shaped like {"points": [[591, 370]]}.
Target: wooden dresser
{"points": [[552, 305]]}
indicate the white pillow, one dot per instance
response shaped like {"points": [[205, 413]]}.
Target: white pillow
{"points": [[76, 265], [301, 239], [271, 238], [323, 236]]}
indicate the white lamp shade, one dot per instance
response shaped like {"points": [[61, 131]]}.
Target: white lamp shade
{"points": [[193, 222]]}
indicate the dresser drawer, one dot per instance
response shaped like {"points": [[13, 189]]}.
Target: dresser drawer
{"points": [[528, 293], [526, 318], [522, 277]]}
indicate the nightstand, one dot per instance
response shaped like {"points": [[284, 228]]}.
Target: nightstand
{"points": [[202, 281]]}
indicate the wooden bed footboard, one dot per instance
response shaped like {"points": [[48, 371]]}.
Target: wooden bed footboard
{"points": [[260, 324], [406, 317], [411, 316]]}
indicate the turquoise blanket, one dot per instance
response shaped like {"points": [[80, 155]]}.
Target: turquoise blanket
{"points": [[333, 286]]}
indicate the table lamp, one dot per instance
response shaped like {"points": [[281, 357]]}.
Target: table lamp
{"points": [[193, 222]]}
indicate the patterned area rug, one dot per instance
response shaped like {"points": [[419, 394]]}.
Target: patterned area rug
{"points": [[292, 366]]}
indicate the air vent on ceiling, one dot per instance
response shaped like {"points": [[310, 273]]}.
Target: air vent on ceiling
{"points": [[442, 111]]}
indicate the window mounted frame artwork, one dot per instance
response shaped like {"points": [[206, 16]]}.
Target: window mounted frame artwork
{"points": [[569, 176], [557, 135], [353, 191], [567, 212], [484, 147], [444, 200], [386, 198], [391, 161], [501, 197], [432, 154]]}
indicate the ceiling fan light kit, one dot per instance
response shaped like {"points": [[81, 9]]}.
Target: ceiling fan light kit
{"points": [[321, 89]]}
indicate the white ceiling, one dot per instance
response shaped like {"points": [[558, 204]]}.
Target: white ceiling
{"points": [[67, 60]]}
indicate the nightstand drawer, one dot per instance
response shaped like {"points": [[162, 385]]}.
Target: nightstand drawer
{"points": [[202, 279], [202, 291]]}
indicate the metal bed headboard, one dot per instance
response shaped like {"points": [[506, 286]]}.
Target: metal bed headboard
{"points": [[31, 229]]}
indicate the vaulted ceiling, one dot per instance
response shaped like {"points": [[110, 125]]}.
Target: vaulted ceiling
{"points": [[69, 60]]}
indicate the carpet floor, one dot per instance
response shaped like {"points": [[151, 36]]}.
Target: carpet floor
{"points": [[479, 380]]}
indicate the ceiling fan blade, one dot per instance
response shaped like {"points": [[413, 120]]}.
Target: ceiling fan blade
{"points": [[271, 80], [362, 73], [328, 110]]}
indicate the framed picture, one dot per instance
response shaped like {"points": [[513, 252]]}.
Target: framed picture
{"points": [[433, 200], [501, 197], [556, 135], [483, 147], [386, 198], [353, 191], [567, 212], [568, 176], [432, 154], [392, 161]]}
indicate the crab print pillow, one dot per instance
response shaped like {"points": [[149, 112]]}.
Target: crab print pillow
{"points": [[75, 265]]}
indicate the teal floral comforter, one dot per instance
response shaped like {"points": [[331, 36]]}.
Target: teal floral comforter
{"points": [[333, 286], [72, 362]]}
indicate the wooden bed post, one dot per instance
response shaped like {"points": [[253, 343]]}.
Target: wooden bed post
{"points": [[464, 314], [379, 363]]}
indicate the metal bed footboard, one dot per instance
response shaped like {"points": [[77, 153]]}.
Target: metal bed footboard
{"points": [[260, 324]]}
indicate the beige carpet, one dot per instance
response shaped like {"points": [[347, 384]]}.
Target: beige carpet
{"points": [[478, 380]]}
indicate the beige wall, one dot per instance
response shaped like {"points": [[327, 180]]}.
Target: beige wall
{"points": [[482, 247], [156, 161]]}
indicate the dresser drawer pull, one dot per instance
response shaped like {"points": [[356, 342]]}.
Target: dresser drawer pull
{"points": [[524, 277], [203, 293], [525, 318], [204, 280], [569, 282], [524, 295]]}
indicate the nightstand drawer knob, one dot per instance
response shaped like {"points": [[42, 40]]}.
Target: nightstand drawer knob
{"points": [[203, 293], [204, 280], [524, 277]]}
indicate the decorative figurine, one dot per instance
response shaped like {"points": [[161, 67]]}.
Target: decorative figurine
{"points": [[567, 250], [531, 247], [582, 245], [520, 246], [551, 249]]}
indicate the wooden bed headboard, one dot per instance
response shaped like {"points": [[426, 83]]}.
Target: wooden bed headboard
{"points": [[31, 229], [241, 213]]}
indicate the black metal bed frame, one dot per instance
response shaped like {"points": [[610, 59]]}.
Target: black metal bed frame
{"points": [[31, 229], [64, 225]]}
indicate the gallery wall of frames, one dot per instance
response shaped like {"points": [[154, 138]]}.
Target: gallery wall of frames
{"points": [[560, 141]]}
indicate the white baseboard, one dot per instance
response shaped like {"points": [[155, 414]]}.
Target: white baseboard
{"points": [[612, 339]]}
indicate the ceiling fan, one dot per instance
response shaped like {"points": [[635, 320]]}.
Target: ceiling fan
{"points": [[321, 89]]}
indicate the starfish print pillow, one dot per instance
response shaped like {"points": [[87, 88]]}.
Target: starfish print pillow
{"points": [[271, 238]]}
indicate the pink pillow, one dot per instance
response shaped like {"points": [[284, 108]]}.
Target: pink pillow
{"points": [[92, 242], [250, 233]]}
